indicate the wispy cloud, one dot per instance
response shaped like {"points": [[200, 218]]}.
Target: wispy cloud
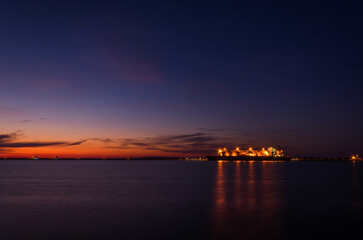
{"points": [[190, 143], [13, 140], [196, 143], [204, 141], [210, 129], [103, 140], [37, 144], [25, 121]]}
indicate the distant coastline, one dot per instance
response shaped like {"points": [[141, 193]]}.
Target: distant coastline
{"points": [[346, 159], [124, 158]]}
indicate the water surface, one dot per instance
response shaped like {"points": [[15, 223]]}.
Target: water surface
{"points": [[180, 200]]}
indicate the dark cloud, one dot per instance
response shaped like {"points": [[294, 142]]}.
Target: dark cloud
{"points": [[230, 131], [201, 139], [103, 140], [26, 121], [36, 144], [10, 136], [185, 136], [200, 142], [142, 144], [210, 129], [73, 143], [4, 136], [12, 140], [197, 143]]}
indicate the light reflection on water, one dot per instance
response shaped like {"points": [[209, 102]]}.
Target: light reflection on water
{"points": [[180, 200], [247, 201], [355, 186]]}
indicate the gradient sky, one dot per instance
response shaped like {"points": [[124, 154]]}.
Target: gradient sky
{"points": [[180, 78]]}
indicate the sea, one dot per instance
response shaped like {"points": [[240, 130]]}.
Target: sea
{"points": [[105, 199]]}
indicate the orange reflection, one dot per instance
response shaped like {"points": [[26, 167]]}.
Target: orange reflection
{"points": [[247, 201], [220, 201], [238, 185], [356, 198], [220, 192]]}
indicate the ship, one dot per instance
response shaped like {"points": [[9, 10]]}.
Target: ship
{"points": [[356, 158], [264, 154]]}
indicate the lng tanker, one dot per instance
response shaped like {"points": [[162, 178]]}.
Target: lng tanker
{"points": [[269, 154]]}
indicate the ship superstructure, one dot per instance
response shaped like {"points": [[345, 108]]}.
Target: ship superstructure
{"points": [[269, 152], [249, 154]]}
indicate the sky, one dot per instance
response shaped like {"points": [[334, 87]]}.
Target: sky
{"points": [[180, 78]]}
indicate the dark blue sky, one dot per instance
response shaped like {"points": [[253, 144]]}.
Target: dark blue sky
{"points": [[256, 73]]}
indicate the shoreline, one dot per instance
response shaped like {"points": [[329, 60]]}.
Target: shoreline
{"points": [[293, 159]]}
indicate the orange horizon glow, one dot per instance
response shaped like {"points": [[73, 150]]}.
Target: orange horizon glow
{"points": [[88, 152], [64, 143]]}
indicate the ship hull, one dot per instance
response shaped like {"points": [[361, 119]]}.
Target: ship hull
{"points": [[246, 158]]}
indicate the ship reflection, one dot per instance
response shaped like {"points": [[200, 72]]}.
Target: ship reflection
{"points": [[355, 187], [247, 201]]}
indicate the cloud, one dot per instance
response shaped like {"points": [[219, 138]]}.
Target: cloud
{"points": [[12, 141], [26, 121], [10, 136], [36, 144], [205, 141], [210, 129], [197, 143], [103, 140], [229, 131], [4, 137], [186, 136]]}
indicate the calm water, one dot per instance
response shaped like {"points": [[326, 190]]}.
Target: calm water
{"points": [[180, 200]]}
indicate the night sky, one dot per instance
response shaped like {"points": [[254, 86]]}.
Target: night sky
{"points": [[180, 78]]}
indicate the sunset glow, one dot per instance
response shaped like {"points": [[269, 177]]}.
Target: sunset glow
{"points": [[121, 80]]}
